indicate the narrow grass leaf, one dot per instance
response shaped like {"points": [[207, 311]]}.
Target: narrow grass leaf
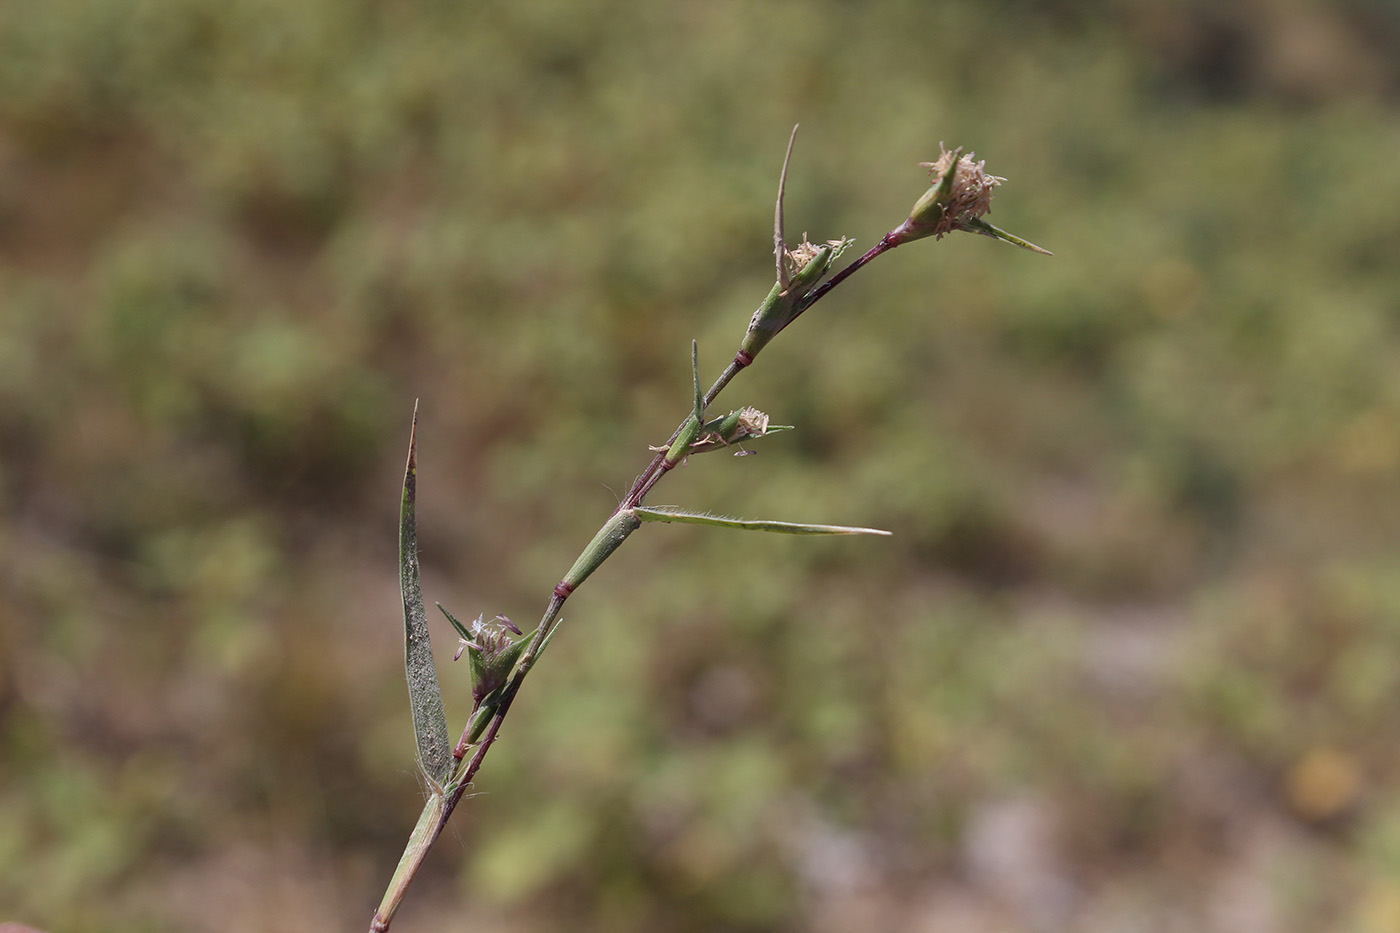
{"points": [[978, 225], [668, 514], [424, 694], [461, 629], [695, 374]]}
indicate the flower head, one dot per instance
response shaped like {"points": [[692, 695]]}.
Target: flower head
{"points": [[486, 636], [961, 194], [803, 253], [492, 651], [752, 422], [972, 187]]}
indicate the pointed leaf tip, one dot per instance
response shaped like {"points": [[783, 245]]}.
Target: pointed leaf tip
{"points": [[461, 629], [978, 225]]}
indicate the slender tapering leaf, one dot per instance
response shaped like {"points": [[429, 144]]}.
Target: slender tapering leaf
{"points": [[424, 694], [779, 233], [667, 514], [978, 225], [695, 373], [462, 630]]}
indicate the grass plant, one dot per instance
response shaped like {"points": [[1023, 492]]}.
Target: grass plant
{"points": [[958, 198]]}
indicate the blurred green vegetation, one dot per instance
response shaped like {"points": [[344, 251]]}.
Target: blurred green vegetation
{"points": [[1128, 663]]}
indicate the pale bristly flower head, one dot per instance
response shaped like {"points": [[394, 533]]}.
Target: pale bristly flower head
{"points": [[961, 194], [971, 191]]}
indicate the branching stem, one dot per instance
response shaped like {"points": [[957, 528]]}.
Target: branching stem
{"points": [[443, 801]]}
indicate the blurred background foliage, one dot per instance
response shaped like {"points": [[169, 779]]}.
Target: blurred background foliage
{"points": [[1129, 663]]}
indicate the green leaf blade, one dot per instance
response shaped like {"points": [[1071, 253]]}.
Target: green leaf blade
{"points": [[424, 693], [978, 225], [668, 514], [695, 375]]}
